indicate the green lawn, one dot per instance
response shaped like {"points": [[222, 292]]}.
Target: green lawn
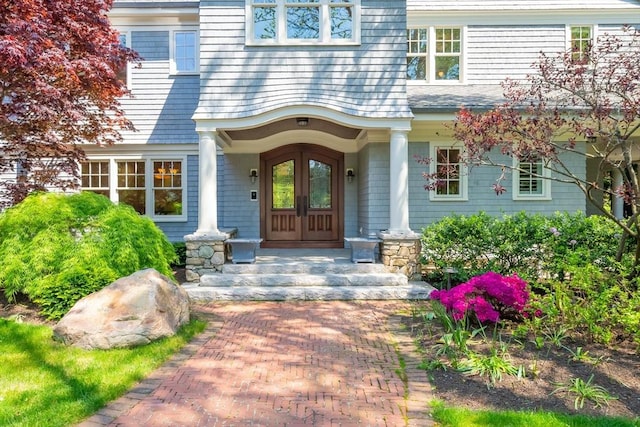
{"points": [[46, 383], [453, 417]]}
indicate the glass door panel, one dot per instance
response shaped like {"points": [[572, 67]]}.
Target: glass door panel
{"points": [[283, 185], [319, 185]]}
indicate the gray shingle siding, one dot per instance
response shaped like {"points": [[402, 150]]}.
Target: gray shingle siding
{"points": [[423, 211], [151, 45], [241, 81], [162, 104]]}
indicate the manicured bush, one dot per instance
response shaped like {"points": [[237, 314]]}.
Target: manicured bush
{"points": [[532, 245], [58, 248]]}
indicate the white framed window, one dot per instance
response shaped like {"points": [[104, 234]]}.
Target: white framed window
{"points": [[579, 40], [95, 176], [450, 173], [302, 22], [530, 181], [154, 187], [185, 52], [435, 54], [124, 73]]}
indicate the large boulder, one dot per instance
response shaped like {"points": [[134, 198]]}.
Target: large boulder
{"points": [[133, 310]]}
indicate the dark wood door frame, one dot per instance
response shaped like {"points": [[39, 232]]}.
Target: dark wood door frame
{"points": [[307, 151]]}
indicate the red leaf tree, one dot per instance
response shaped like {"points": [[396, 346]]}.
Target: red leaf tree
{"points": [[595, 98], [58, 89]]}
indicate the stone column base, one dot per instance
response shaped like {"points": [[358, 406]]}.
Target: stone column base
{"points": [[400, 253], [206, 254]]}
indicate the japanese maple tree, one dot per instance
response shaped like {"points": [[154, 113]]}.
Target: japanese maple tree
{"points": [[567, 101], [59, 88]]}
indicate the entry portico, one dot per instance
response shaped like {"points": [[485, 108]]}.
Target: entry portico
{"points": [[216, 136]]}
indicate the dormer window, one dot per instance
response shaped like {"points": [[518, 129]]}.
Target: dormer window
{"points": [[303, 22]]}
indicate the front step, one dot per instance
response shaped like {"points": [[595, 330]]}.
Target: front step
{"points": [[302, 275], [412, 290], [301, 279]]}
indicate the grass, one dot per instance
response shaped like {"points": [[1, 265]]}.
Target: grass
{"points": [[46, 383], [453, 417]]}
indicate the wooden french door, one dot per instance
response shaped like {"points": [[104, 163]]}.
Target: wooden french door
{"points": [[302, 197]]}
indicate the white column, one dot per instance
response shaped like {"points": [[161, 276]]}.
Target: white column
{"points": [[399, 179], [617, 202], [208, 185]]}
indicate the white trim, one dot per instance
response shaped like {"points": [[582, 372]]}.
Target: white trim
{"points": [[127, 39], [431, 54], [173, 68], [281, 39], [544, 181], [148, 159], [464, 174]]}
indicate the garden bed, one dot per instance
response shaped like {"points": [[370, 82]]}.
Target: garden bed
{"points": [[547, 365]]}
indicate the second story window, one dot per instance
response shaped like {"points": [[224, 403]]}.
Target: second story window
{"points": [[185, 52], [581, 38], [302, 21], [434, 54]]}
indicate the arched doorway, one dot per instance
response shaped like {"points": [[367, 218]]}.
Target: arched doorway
{"points": [[302, 197]]}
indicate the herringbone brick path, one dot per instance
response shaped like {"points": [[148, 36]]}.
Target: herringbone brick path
{"points": [[285, 364]]}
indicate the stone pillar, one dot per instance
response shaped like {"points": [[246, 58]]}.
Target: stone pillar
{"points": [[206, 254], [400, 253], [399, 182]]}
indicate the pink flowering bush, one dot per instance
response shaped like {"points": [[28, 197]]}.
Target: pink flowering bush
{"points": [[489, 296]]}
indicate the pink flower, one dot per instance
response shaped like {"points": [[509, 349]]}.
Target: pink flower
{"points": [[485, 295]]}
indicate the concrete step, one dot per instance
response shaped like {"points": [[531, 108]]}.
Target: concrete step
{"points": [[300, 280], [411, 290], [304, 268]]}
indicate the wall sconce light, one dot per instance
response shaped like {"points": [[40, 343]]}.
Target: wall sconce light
{"points": [[350, 174], [253, 174], [302, 121]]}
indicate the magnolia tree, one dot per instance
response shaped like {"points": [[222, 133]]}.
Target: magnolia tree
{"points": [[594, 97], [59, 87]]}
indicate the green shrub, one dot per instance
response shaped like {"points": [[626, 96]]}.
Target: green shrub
{"points": [[531, 245], [181, 254], [58, 248]]}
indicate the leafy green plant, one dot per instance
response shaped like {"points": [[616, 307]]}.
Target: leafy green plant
{"points": [[492, 365], [585, 390], [57, 248]]}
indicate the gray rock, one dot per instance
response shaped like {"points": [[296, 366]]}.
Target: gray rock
{"points": [[133, 310]]}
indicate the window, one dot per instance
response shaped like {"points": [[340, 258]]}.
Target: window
{"points": [[131, 184], [153, 187], [530, 181], [302, 21], [434, 54], [123, 72], [580, 40], [185, 54], [95, 177], [447, 164], [167, 187]]}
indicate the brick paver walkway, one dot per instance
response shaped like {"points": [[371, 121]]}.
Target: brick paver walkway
{"points": [[285, 364]]}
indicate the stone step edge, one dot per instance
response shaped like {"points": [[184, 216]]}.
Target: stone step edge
{"points": [[413, 291], [289, 280]]}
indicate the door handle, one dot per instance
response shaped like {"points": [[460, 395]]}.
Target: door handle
{"points": [[298, 206], [304, 206]]}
